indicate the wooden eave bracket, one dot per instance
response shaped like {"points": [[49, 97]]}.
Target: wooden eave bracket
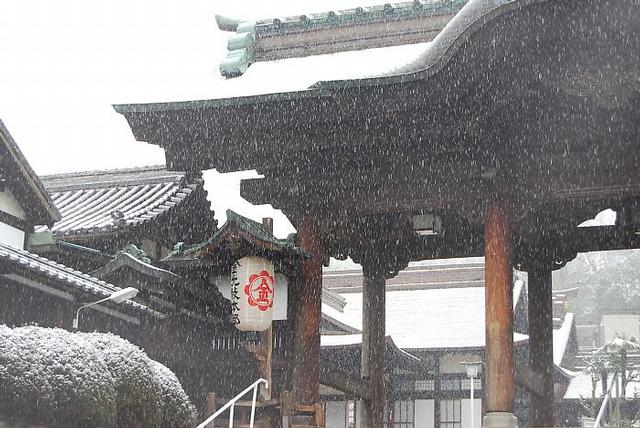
{"points": [[338, 379], [530, 380]]}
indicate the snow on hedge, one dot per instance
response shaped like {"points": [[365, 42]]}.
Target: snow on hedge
{"points": [[52, 376]]}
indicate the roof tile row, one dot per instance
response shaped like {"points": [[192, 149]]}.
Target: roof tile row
{"points": [[78, 281]]}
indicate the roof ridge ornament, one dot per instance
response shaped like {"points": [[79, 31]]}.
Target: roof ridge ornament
{"points": [[384, 25]]}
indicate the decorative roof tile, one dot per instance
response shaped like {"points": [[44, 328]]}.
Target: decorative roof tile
{"points": [[237, 229], [69, 278], [107, 201], [335, 31]]}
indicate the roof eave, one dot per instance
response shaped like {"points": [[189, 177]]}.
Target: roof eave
{"points": [[47, 213]]}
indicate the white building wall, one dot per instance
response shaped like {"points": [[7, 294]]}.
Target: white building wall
{"points": [[10, 205], [335, 414], [623, 325], [424, 416], [11, 236], [450, 363], [466, 412]]}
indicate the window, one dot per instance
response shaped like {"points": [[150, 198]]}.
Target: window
{"points": [[466, 384], [450, 384], [402, 414], [351, 414], [425, 385], [450, 414]]}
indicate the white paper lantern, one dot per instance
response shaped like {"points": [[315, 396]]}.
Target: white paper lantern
{"points": [[252, 293]]}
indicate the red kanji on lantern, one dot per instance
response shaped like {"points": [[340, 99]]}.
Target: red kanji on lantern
{"points": [[259, 291]]}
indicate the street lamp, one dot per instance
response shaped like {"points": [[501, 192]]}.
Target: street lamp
{"points": [[118, 297], [473, 370]]}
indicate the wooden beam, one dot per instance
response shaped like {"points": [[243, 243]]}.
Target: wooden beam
{"points": [[541, 406], [529, 380], [373, 344], [499, 393], [308, 316], [340, 380]]}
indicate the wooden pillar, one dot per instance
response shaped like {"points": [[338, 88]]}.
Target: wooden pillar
{"points": [[499, 393], [307, 317], [373, 344], [541, 410], [266, 340]]}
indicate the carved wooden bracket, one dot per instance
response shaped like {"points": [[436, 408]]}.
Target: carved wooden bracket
{"points": [[381, 244]]}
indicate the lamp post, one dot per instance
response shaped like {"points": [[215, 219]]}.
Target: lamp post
{"points": [[473, 370], [118, 297]]}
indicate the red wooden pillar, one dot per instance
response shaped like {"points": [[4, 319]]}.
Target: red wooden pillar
{"points": [[499, 390], [373, 344], [308, 313], [541, 407]]}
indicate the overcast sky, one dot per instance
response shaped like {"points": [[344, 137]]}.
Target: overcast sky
{"points": [[65, 62]]}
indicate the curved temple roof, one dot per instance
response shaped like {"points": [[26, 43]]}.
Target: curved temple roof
{"points": [[537, 98]]}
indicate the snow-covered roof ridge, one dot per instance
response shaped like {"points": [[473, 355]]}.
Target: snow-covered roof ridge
{"points": [[382, 25], [65, 276], [561, 338], [99, 202]]}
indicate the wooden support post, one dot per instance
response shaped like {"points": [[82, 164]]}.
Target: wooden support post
{"points": [[308, 314], [541, 410], [373, 344], [266, 341], [499, 393]]}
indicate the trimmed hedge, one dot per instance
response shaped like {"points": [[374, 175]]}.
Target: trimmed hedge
{"points": [[54, 377]]}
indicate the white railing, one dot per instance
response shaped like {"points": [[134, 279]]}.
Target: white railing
{"points": [[231, 405], [606, 403]]}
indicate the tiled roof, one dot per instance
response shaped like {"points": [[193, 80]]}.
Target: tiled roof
{"points": [[236, 228], [429, 274], [330, 32], [105, 201], [72, 280], [124, 259], [38, 202]]}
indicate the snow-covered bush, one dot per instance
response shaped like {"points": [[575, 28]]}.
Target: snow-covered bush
{"points": [[178, 411], [138, 395], [52, 376], [68, 379]]}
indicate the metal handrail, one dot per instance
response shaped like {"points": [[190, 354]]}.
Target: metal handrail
{"points": [[605, 401], [231, 405]]}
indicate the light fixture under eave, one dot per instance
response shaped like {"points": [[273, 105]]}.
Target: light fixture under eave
{"points": [[427, 224], [117, 297]]}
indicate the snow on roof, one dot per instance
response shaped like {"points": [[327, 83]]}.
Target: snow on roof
{"points": [[561, 338], [327, 340], [101, 201], [63, 275], [580, 386], [425, 319]]}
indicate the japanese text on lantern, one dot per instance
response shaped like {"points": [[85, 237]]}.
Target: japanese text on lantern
{"points": [[235, 296]]}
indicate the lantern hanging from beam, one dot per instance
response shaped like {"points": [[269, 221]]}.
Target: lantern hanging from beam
{"points": [[252, 293]]}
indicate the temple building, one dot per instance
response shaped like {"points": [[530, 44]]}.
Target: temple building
{"points": [[516, 123], [432, 312]]}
